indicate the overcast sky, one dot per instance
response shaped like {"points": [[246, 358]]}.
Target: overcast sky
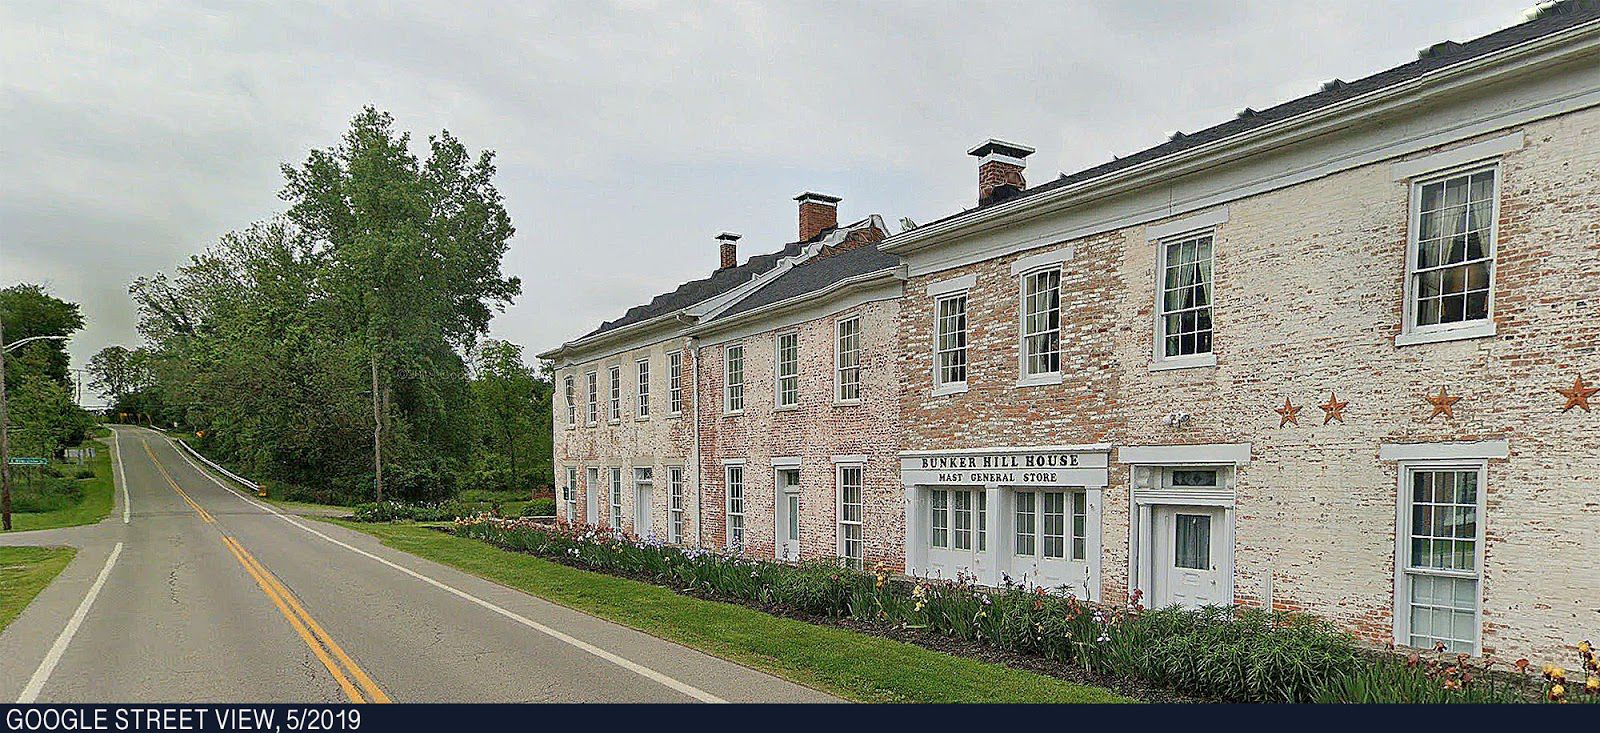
{"points": [[628, 134]]}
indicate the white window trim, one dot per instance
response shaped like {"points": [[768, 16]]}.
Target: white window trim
{"points": [[952, 286], [1043, 261], [1402, 536], [1187, 225], [1477, 152], [777, 375], [569, 386], [786, 462], [941, 389], [1159, 360], [1412, 334], [675, 356], [838, 507], [681, 512], [727, 503], [614, 514], [1024, 379], [641, 391], [614, 401], [727, 392], [592, 406], [838, 370]]}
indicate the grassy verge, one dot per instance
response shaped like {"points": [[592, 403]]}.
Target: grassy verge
{"points": [[851, 665], [24, 572], [96, 504]]}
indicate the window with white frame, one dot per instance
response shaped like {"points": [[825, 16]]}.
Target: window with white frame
{"points": [[644, 387], [959, 519], [594, 396], [569, 494], [644, 482], [615, 412], [852, 546], [675, 382], [733, 378], [1183, 325], [675, 505], [1051, 524], [735, 484], [788, 369], [950, 343], [1452, 250], [571, 392], [1041, 322], [847, 360], [1441, 549], [616, 498]]}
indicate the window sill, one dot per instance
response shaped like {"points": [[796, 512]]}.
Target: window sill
{"points": [[1040, 380], [615, 421], [944, 390], [674, 415], [642, 418], [1481, 329], [732, 413], [1193, 361], [785, 408], [847, 403]]}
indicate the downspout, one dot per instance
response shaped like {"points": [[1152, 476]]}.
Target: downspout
{"points": [[699, 491]]}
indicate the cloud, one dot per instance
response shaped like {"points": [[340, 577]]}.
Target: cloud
{"points": [[627, 133]]}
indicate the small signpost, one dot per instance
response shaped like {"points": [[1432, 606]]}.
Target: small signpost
{"points": [[78, 454], [24, 461]]}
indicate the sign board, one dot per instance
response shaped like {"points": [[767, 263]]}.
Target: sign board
{"points": [[79, 453], [1007, 467], [19, 461]]}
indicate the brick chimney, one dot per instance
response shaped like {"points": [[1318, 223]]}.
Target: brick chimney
{"points": [[818, 211], [1000, 167], [730, 249]]}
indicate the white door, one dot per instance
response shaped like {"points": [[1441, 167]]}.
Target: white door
{"points": [[641, 509], [1191, 555], [592, 496], [958, 525], [786, 517]]}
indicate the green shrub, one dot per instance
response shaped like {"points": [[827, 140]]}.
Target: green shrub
{"points": [[394, 511], [540, 507], [45, 494], [83, 473]]}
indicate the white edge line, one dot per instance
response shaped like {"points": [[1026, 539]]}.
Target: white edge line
{"points": [[51, 658], [627, 664], [116, 448]]}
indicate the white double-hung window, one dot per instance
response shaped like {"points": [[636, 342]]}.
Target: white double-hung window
{"points": [[950, 342], [1183, 318], [616, 498], [852, 545], [644, 388], [733, 379], [675, 382], [847, 360], [1441, 551], [675, 505], [1041, 326], [594, 396], [735, 507], [788, 370], [569, 492], [1051, 524], [1450, 260], [615, 412]]}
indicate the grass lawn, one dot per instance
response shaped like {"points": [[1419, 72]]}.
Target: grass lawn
{"points": [[851, 665], [24, 571], [97, 497]]}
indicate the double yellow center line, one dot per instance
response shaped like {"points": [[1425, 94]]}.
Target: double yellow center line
{"points": [[354, 681]]}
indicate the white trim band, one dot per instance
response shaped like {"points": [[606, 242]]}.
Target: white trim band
{"points": [[856, 459], [786, 462], [1043, 259], [1461, 450], [953, 285]]}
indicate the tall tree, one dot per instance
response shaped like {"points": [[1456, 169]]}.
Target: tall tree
{"points": [[414, 250], [30, 310], [506, 391], [116, 372]]}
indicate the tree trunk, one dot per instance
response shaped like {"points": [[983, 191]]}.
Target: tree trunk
{"points": [[377, 430]]}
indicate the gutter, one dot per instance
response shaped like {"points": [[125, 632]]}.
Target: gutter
{"points": [[896, 272], [1212, 153]]}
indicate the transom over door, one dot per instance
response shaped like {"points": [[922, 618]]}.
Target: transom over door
{"points": [[786, 500], [1189, 553]]}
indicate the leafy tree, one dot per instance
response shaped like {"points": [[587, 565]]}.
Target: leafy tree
{"points": [[508, 395], [413, 250], [30, 310], [117, 372]]}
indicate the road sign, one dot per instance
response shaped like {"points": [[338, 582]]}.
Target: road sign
{"points": [[20, 461]]}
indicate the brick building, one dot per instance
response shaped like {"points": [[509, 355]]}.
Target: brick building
{"points": [[1337, 355], [1324, 356]]}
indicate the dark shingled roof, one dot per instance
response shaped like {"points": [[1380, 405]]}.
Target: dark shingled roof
{"points": [[813, 275], [1554, 19], [696, 291]]}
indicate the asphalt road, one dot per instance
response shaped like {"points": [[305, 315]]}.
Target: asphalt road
{"points": [[190, 592]]}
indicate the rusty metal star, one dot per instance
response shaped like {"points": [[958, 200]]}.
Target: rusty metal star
{"points": [[1289, 414], [1333, 409], [1578, 395], [1443, 404]]}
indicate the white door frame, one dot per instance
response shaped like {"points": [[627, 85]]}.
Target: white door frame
{"points": [[1148, 492], [591, 498], [780, 510]]}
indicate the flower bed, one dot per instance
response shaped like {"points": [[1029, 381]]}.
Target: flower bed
{"points": [[1234, 654]]}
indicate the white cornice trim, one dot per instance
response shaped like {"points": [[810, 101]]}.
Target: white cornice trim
{"points": [[1451, 451], [1491, 148]]}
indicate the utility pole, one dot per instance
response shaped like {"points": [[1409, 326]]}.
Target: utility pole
{"points": [[5, 426]]}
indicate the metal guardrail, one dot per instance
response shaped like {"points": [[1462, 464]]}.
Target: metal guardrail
{"points": [[247, 483]]}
